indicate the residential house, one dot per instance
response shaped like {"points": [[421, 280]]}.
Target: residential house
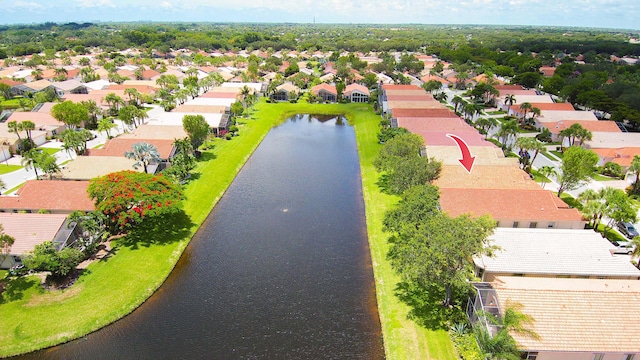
{"points": [[117, 147], [70, 87], [517, 208], [357, 93], [29, 230], [552, 253], [89, 167], [326, 92], [55, 196], [574, 319], [284, 92]]}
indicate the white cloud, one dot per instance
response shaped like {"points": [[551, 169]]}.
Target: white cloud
{"points": [[166, 5], [95, 3]]}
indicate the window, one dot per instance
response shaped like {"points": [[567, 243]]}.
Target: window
{"points": [[629, 356], [533, 355], [533, 225], [598, 356], [515, 224], [17, 260], [551, 225]]}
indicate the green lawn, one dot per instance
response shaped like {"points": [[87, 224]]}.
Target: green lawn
{"points": [[5, 169], [612, 234], [571, 201], [537, 177], [50, 151], [32, 319], [599, 177], [497, 112], [557, 154]]}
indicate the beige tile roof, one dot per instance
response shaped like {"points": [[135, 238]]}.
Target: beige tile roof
{"points": [[485, 176], [157, 132], [89, 167], [576, 315], [485, 155], [29, 230], [118, 146]]}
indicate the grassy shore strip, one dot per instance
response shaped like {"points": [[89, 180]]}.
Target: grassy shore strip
{"points": [[31, 319]]}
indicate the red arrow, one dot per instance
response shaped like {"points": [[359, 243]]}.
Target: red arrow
{"points": [[467, 160]]}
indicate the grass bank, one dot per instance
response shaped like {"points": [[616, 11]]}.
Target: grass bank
{"points": [[32, 319]]}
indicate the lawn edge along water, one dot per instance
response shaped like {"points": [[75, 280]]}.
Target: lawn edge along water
{"points": [[114, 288]]}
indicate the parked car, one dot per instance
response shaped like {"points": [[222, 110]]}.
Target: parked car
{"points": [[623, 247], [627, 229]]}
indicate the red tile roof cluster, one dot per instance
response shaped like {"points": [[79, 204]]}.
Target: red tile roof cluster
{"points": [[57, 196], [118, 146]]}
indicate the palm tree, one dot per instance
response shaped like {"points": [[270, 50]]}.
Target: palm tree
{"points": [[30, 160], [509, 100], [60, 72], [106, 125], [584, 135], [15, 127], [508, 130], [37, 74], [525, 107], [485, 125], [547, 172], [114, 102], [457, 101], [144, 154], [28, 126], [636, 250], [635, 169], [529, 144], [502, 346], [133, 95]]}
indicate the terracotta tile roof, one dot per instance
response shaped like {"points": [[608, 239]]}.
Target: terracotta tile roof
{"points": [[547, 70], [430, 77], [415, 92], [410, 97], [356, 87], [508, 87], [401, 87], [576, 315], [507, 204], [118, 146], [440, 138], [10, 82], [143, 89], [517, 92], [326, 87], [38, 118], [148, 74], [440, 113], [485, 176], [429, 104], [54, 195], [593, 126], [30, 230], [420, 125], [620, 156]]}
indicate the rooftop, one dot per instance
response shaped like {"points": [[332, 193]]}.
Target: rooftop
{"points": [[89, 167], [554, 252], [53, 195], [575, 315], [507, 204], [30, 230], [485, 176]]}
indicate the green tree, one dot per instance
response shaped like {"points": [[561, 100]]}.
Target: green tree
{"points": [[412, 171], [578, 166], [507, 132], [106, 125], [502, 346], [197, 128], [6, 241], [144, 154], [527, 144], [129, 197], [509, 100], [439, 252], [30, 160], [547, 172], [48, 164], [45, 257], [417, 204], [401, 146], [635, 169], [71, 114]]}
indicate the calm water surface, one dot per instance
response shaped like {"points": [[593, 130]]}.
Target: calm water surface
{"points": [[280, 270]]}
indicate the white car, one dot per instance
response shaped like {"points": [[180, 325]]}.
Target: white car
{"points": [[624, 247]]}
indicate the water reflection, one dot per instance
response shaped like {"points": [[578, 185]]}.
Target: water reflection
{"points": [[280, 269]]}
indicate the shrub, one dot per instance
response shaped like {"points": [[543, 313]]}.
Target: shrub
{"points": [[228, 136]]}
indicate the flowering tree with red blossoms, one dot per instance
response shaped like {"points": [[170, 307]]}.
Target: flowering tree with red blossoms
{"points": [[128, 197]]}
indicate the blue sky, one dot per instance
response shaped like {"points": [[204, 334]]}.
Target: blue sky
{"points": [[623, 14]]}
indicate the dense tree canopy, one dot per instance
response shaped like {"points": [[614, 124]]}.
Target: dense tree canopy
{"points": [[128, 197]]}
